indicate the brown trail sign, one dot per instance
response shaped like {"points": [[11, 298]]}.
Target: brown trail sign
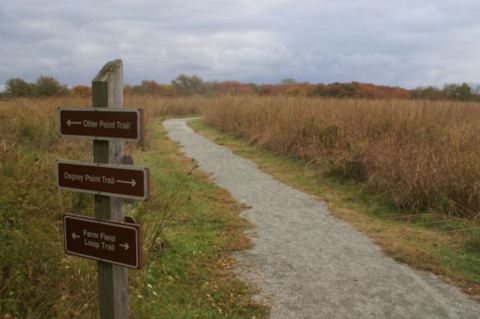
{"points": [[104, 124], [103, 179], [112, 242], [106, 238]]}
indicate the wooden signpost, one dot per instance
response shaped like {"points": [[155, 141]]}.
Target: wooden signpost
{"points": [[106, 238]]}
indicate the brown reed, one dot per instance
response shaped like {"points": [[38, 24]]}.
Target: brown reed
{"points": [[422, 155]]}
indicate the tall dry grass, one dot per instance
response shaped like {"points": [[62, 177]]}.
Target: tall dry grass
{"points": [[422, 155], [37, 280]]}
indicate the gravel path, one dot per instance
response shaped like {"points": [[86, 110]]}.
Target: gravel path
{"points": [[307, 263]]}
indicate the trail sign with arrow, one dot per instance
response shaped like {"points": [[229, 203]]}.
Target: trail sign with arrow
{"points": [[105, 238], [114, 242], [101, 124], [103, 179]]}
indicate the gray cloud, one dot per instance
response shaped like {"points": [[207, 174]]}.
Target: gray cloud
{"points": [[406, 43]]}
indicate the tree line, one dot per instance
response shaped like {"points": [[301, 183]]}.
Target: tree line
{"points": [[185, 85], [44, 86]]}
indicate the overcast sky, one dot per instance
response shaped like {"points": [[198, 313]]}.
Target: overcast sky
{"points": [[403, 42]]}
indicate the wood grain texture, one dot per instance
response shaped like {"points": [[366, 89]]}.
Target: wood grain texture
{"points": [[107, 92]]}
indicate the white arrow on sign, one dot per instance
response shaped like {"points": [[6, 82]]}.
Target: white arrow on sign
{"points": [[75, 236], [131, 182], [70, 122], [126, 246]]}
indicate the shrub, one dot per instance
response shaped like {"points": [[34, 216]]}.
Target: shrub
{"points": [[189, 85], [19, 87], [81, 90], [49, 86]]}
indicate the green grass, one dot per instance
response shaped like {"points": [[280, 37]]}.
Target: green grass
{"points": [[190, 229], [426, 241], [189, 269]]}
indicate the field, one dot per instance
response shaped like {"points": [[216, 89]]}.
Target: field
{"points": [[404, 172], [416, 163], [191, 226], [421, 155]]}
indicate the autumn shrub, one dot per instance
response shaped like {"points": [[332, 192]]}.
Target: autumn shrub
{"points": [[37, 280], [421, 155], [81, 91], [35, 275]]}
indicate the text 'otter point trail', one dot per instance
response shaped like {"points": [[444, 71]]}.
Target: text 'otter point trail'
{"points": [[101, 124]]}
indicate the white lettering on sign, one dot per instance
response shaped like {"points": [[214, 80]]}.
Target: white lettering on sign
{"points": [[109, 247], [104, 124], [96, 179], [93, 178], [123, 125], [73, 177], [88, 123], [95, 240], [100, 179], [108, 180], [89, 234], [107, 237], [91, 243]]}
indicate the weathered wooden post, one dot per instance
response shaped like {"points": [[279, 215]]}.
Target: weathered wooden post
{"points": [[107, 92], [106, 238]]}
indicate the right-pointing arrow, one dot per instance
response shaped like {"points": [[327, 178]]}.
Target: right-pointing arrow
{"points": [[75, 236], [131, 182], [125, 246]]}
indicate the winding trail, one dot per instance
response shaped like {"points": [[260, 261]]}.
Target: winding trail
{"points": [[307, 263]]}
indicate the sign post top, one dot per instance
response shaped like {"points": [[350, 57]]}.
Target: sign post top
{"points": [[107, 86], [109, 70]]}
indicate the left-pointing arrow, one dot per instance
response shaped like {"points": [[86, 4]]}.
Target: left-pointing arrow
{"points": [[75, 236], [70, 122]]}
